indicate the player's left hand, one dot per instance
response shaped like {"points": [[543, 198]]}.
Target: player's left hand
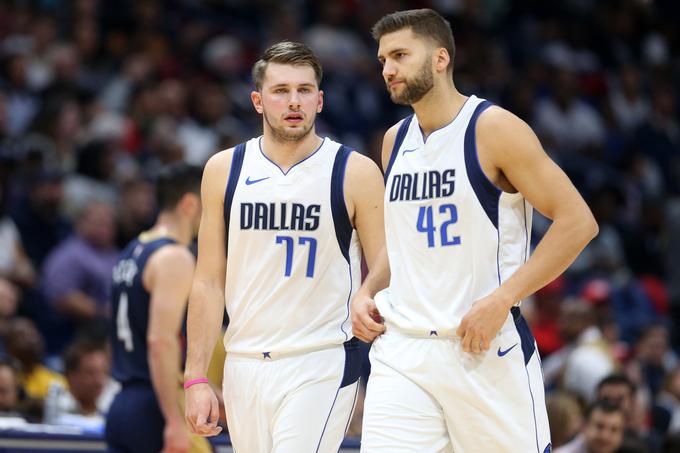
{"points": [[481, 324]]}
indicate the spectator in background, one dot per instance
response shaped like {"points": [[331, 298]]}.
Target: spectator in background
{"points": [[602, 433], [77, 274], [14, 263], [667, 406], [565, 124], [585, 358], [86, 399], [37, 218], [9, 386], [9, 302], [564, 415], [136, 209], [621, 391], [25, 344]]}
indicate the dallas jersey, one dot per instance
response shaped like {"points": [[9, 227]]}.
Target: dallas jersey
{"points": [[293, 257], [130, 305], [452, 236]]}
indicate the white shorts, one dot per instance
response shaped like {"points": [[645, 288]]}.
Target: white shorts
{"points": [[293, 403], [427, 395]]}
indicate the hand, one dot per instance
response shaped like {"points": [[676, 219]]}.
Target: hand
{"points": [[367, 323], [202, 410], [481, 324], [175, 438]]}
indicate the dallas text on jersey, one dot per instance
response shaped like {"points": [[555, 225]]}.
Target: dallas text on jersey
{"points": [[280, 216], [422, 186]]}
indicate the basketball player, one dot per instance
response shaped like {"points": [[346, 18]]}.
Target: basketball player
{"points": [[151, 284], [291, 210], [457, 367]]}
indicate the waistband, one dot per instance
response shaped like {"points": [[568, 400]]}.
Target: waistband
{"points": [[275, 355], [448, 334]]}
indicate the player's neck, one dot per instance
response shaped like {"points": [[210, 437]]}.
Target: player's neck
{"points": [[285, 154], [438, 107], [171, 226]]}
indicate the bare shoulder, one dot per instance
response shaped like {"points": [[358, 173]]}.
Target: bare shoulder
{"points": [[360, 167], [175, 254], [219, 164], [501, 131], [388, 143]]}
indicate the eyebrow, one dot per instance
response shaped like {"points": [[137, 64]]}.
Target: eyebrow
{"points": [[393, 51], [285, 85]]}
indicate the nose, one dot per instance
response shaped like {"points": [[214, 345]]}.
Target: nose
{"points": [[294, 100], [389, 69]]}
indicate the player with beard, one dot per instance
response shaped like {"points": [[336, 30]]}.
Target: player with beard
{"points": [[456, 368], [292, 210]]}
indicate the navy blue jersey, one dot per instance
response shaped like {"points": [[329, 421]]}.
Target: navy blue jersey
{"points": [[131, 311]]}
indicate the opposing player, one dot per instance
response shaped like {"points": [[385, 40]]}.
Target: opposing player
{"points": [[284, 215], [151, 284], [457, 367]]}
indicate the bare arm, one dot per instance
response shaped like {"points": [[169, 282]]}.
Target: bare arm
{"points": [[513, 158], [206, 303], [168, 280], [368, 191]]}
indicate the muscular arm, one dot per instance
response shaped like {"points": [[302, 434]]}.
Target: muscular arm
{"points": [[206, 303], [517, 153], [168, 279], [368, 190], [512, 158]]}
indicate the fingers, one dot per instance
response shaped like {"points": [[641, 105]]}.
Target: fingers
{"points": [[366, 320], [203, 414]]}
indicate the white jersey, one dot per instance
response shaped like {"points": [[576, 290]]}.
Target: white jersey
{"points": [[452, 236], [293, 258]]}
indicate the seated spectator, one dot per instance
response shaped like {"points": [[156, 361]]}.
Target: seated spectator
{"points": [[9, 387], [24, 343], [602, 433], [586, 357], [9, 301], [90, 389], [77, 275], [667, 406], [565, 417]]}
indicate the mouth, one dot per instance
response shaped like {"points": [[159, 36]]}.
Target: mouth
{"points": [[294, 118], [392, 84]]}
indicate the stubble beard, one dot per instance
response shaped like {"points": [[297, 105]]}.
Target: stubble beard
{"points": [[415, 88], [280, 134]]}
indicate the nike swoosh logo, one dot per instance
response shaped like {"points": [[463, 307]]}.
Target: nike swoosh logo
{"points": [[408, 151], [502, 353], [253, 181]]}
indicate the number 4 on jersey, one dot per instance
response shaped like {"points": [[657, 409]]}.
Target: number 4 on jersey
{"points": [[425, 224]]}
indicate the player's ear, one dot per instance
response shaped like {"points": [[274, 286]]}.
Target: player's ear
{"points": [[319, 107], [256, 97], [442, 59]]}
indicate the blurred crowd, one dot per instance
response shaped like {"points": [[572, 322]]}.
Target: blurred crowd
{"points": [[96, 96]]}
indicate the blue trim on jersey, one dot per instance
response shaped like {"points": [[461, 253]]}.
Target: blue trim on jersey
{"points": [[343, 225], [352, 362], [327, 418], [401, 134], [259, 144], [533, 408], [232, 182], [525, 335], [528, 349], [487, 194]]}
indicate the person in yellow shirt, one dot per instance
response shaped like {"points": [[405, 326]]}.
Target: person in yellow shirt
{"points": [[24, 342]]}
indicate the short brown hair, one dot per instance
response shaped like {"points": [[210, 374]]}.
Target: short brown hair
{"points": [[423, 22], [290, 53]]}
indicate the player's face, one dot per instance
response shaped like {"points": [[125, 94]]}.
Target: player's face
{"points": [[289, 101], [407, 66], [604, 431]]}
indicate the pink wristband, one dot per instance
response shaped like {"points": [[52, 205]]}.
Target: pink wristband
{"points": [[190, 382]]}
